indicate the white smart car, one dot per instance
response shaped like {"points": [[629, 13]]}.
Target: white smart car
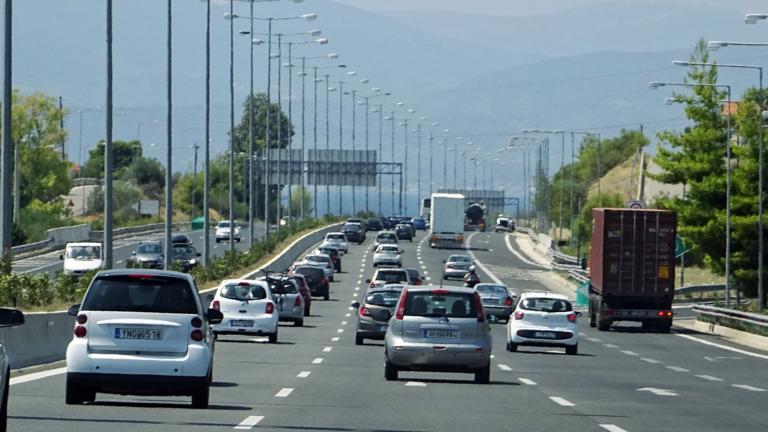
{"points": [[248, 308], [545, 320], [142, 332]]}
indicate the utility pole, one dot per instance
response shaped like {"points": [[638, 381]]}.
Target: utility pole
{"points": [[61, 126], [303, 140], [354, 149], [290, 134], [207, 151], [169, 137], [392, 149], [405, 171], [108, 259], [231, 130], [379, 156], [268, 134], [327, 146], [341, 142], [194, 176], [431, 158], [279, 190]]}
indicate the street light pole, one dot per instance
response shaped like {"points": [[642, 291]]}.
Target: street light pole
{"points": [[354, 149], [268, 134], [405, 174], [251, 195], [290, 132], [314, 159], [6, 193], [367, 189], [303, 140], [207, 151], [418, 165], [392, 158], [431, 158], [381, 151], [231, 130], [341, 143], [108, 257], [169, 139], [327, 146], [279, 190]]}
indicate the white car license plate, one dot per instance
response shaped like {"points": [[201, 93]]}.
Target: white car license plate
{"points": [[490, 301], [138, 333], [241, 323], [441, 334], [544, 335]]}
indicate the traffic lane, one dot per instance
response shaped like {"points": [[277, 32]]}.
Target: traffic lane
{"points": [[362, 400], [248, 373]]}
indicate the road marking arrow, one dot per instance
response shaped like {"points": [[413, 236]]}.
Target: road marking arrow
{"points": [[658, 392]]}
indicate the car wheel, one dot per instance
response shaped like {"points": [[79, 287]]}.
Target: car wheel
{"points": [[273, 337], [390, 371], [511, 347], [75, 394], [299, 323], [218, 241], [572, 350], [327, 297], [358, 340], [592, 320], [306, 311], [201, 396], [4, 407], [483, 375]]}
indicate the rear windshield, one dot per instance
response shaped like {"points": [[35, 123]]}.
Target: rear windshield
{"points": [[300, 281], [546, 305], [460, 259], [287, 287], [243, 292], [335, 236], [150, 248], [142, 293], [413, 273], [318, 258], [312, 274], [383, 298], [491, 289], [351, 228], [429, 304], [389, 248], [392, 277], [386, 236]]}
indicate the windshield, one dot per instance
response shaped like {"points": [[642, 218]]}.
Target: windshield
{"points": [[452, 305], [334, 237], [383, 298], [224, 224], [545, 305], [84, 252], [498, 290], [183, 251], [243, 292], [150, 249], [459, 259], [141, 293]]}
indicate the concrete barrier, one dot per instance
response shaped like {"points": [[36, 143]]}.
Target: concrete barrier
{"points": [[64, 235], [42, 339]]}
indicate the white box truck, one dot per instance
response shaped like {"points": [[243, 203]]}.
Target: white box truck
{"points": [[447, 220]]}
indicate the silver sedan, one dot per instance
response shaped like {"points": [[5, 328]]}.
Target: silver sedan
{"points": [[387, 254], [456, 266]]}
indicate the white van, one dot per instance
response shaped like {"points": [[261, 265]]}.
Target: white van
{"points": [[82, 257]]}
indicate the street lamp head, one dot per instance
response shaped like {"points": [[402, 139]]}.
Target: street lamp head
{"points": [[446, 130], [301, 74], [352, 73], [411, 111], [388, 118], [342, 66], [715, 45], [244, 32], [422, 118], [754, 18], [230, 16], [257, 41], [681, 63], [364, 81], [400, 104], [318, 80], [322, 41], [376, 89], [331, 89], [315, 32], [274, 55], [360, 103], [310, 16], [653, 85], [435, 123]]}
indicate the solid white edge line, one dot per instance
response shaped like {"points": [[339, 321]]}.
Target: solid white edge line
{"points": [[21, 379], [725, 347], [249, 422], [521, 257], [495, 279], [284, 392], [562, 402], [612, 428]]}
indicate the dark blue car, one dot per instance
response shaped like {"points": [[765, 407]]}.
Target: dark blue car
{"points": [[419, 223]]}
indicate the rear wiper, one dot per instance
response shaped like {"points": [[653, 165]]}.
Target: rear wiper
{"points": [[435, 315]]}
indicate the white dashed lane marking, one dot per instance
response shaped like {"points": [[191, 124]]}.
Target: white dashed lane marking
{"points": [[610, 346], [327, 349], [340, 331], [748, 387], [335, 339], [630, 353], [343, 323], [562, 402], [317, 360], [527, 381], [505, 367], [249, 422], [709, 377], [650, 360], [303, 374], [612, 428], [593, 339], [415, 384], [284, 392], [677, 369]]}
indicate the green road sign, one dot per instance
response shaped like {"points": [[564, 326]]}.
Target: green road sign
{"points": [[680, 247]]}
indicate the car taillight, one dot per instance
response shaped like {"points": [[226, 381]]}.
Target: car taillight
{"points": [[479, 307], [323, 280], [270, 308], [197, 335], [508, 301], [80, 331], [215, 305], [665, 313], [82, 319], [364, 312], [197, 322], [400, 313], [297, 303], [571, 317], [519, 315]]}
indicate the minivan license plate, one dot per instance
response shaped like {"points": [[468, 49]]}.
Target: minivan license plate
{"points": [[441, 334], [138, 333]]}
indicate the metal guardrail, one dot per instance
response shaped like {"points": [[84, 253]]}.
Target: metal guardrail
{"points": [[732, 313], [699, 288], [731, 318], [30, 247]]}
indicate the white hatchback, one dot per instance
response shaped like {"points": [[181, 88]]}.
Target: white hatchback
{"points": [[142, 332], [339, 239], [545, 320], [248, 308]]}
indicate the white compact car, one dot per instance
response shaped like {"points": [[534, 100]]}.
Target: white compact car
{"points": [[141, 332], [545, 320], [339, 239], [225, 229], [387, 254], [8, 318], [82, 257], [248, 308]]}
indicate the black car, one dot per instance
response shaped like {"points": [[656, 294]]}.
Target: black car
{"points": [[319, 285], [392, 222], [354, 233], [186, 255], [335, 257], [181, 238], [374, 224], [357, 221], [404, 231]]}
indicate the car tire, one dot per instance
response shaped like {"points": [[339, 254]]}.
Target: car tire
{"points": [[592, 320], [306, 311], [664, 326], [201, 396], [572, 350], [273, 337], [299, 323], [390, 371], [76, 394], [603, 324], [511, 347], [358, 340], [327, 296], [483, 375], [4, 407]]}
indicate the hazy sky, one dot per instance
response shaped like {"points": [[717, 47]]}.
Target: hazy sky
{"points": [[527, 7]]}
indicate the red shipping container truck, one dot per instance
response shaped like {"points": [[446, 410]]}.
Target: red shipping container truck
{"points": [[632, 267]]}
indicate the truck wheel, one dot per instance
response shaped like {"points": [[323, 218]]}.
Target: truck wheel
{"points": [[603, 324], [592, 320]]}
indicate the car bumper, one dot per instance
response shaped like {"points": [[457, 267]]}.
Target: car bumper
{"points": [[319, 290], [532, 336], [292, 314], [265, 324], [387, 261], [497, 311], [162, 385], [454, 273], [372, 329], [438, 356]]}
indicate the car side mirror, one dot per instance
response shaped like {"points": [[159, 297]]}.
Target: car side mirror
{"points": [[11, 317], [198, 254], [367, 281], [61, 257], [209, 297], [133, 253], [214, 316], [73, 310], [578, 314], [355, 305], [443, 261]]}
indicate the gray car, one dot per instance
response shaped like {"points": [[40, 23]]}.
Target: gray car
{"points": [[149, 254], [456, 266], [498, 301], [438, 330], [374, 313], [287, 297]]}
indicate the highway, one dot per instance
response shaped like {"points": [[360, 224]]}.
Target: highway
{"points": [[315, 378], [51, 262]]}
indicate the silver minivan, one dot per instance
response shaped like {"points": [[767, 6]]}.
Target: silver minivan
{"points": [[438, 330]]}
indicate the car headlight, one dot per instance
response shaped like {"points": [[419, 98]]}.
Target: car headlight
{"points": [[192, 261]]}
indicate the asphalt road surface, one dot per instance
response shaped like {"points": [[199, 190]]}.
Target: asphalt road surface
{"points": [[315, 378], [51, 262]]}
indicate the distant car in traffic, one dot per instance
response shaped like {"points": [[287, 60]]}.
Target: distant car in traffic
{"points": [[227, 229], [301, 282], [419, 223], [148, 254], [185, 255], [332, 252], [498, 301], [415, 276], [81, 257], [320, 260], [338, 239], [181, 238], [384, 237], [457, 266], [374, 312], [318, 283], [438, 330], [141, 332], [504, 224], [8, 318], [544, 319], [386, 276], [354, 232], [387, 254], [248, 307], [287, 297], [374, 224], [404, 232]]}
